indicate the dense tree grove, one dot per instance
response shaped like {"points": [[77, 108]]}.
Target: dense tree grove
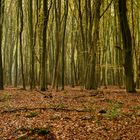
{"points": [[89, 43]]}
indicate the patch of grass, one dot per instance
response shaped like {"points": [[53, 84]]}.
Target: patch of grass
{"points": [[40, 131], [108, 100], [31, 132], [115, 104], [32, 114], [118, 105], [5, 96], [114, 111], [112, 114], [98, 122]]}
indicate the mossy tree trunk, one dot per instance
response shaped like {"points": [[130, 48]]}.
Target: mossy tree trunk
{"points": [[32, 72], [58, 38], [63, 43], [127, 46], [43, 53], [21, 43], [1, 68], [90, 71]]}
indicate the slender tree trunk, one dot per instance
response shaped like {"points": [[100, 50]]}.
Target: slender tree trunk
{"points": [[20, 40], [16, 53], [83, 59], [32, 72], [56, 74], [90, 71], [63, 43], [43, 57], [1, 68]]}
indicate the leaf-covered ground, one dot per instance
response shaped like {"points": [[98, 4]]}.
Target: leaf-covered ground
{"points": [[73, 114]]}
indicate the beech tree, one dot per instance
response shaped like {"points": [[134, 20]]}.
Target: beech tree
{"points": [[1, 22], [127, 46], [91, 68], [79, 43]]}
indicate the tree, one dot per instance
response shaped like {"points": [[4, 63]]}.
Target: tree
{"points": [[77, 42], [43, 57], [58, 37], [63, 43], [1, 68], [30, 20], [90, 71], [46, 12], [20, 40], [127, 46]]}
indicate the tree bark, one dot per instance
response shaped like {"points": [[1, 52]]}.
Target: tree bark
{"points": [[32, 72], [43, 57], [127, 46], [90, 71], [1, 68], [20, 39]]}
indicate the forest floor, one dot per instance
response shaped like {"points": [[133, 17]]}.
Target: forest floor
{"points": [[72, 114]]}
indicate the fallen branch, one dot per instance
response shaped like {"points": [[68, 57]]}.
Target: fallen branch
{"points": [[14, 110]]}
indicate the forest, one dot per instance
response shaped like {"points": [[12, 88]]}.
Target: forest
{"points": [[69, 70]]}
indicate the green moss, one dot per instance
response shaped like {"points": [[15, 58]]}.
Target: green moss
{"points": [[32, 114], [5, 97], [40, 131]]}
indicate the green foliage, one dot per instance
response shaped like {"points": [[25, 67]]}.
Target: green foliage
{"points": [[108, 100], [5, 97], [98, 122], [40, 131], [112, 114], [32, 131], [114, 111], [116, 104]]}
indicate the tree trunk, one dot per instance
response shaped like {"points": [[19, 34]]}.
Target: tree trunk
{"points": [[43, 57], [32, 72], [127, 46], [56, 75], [20, 39], [63, 43], [1, 68], [90, 72]]}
